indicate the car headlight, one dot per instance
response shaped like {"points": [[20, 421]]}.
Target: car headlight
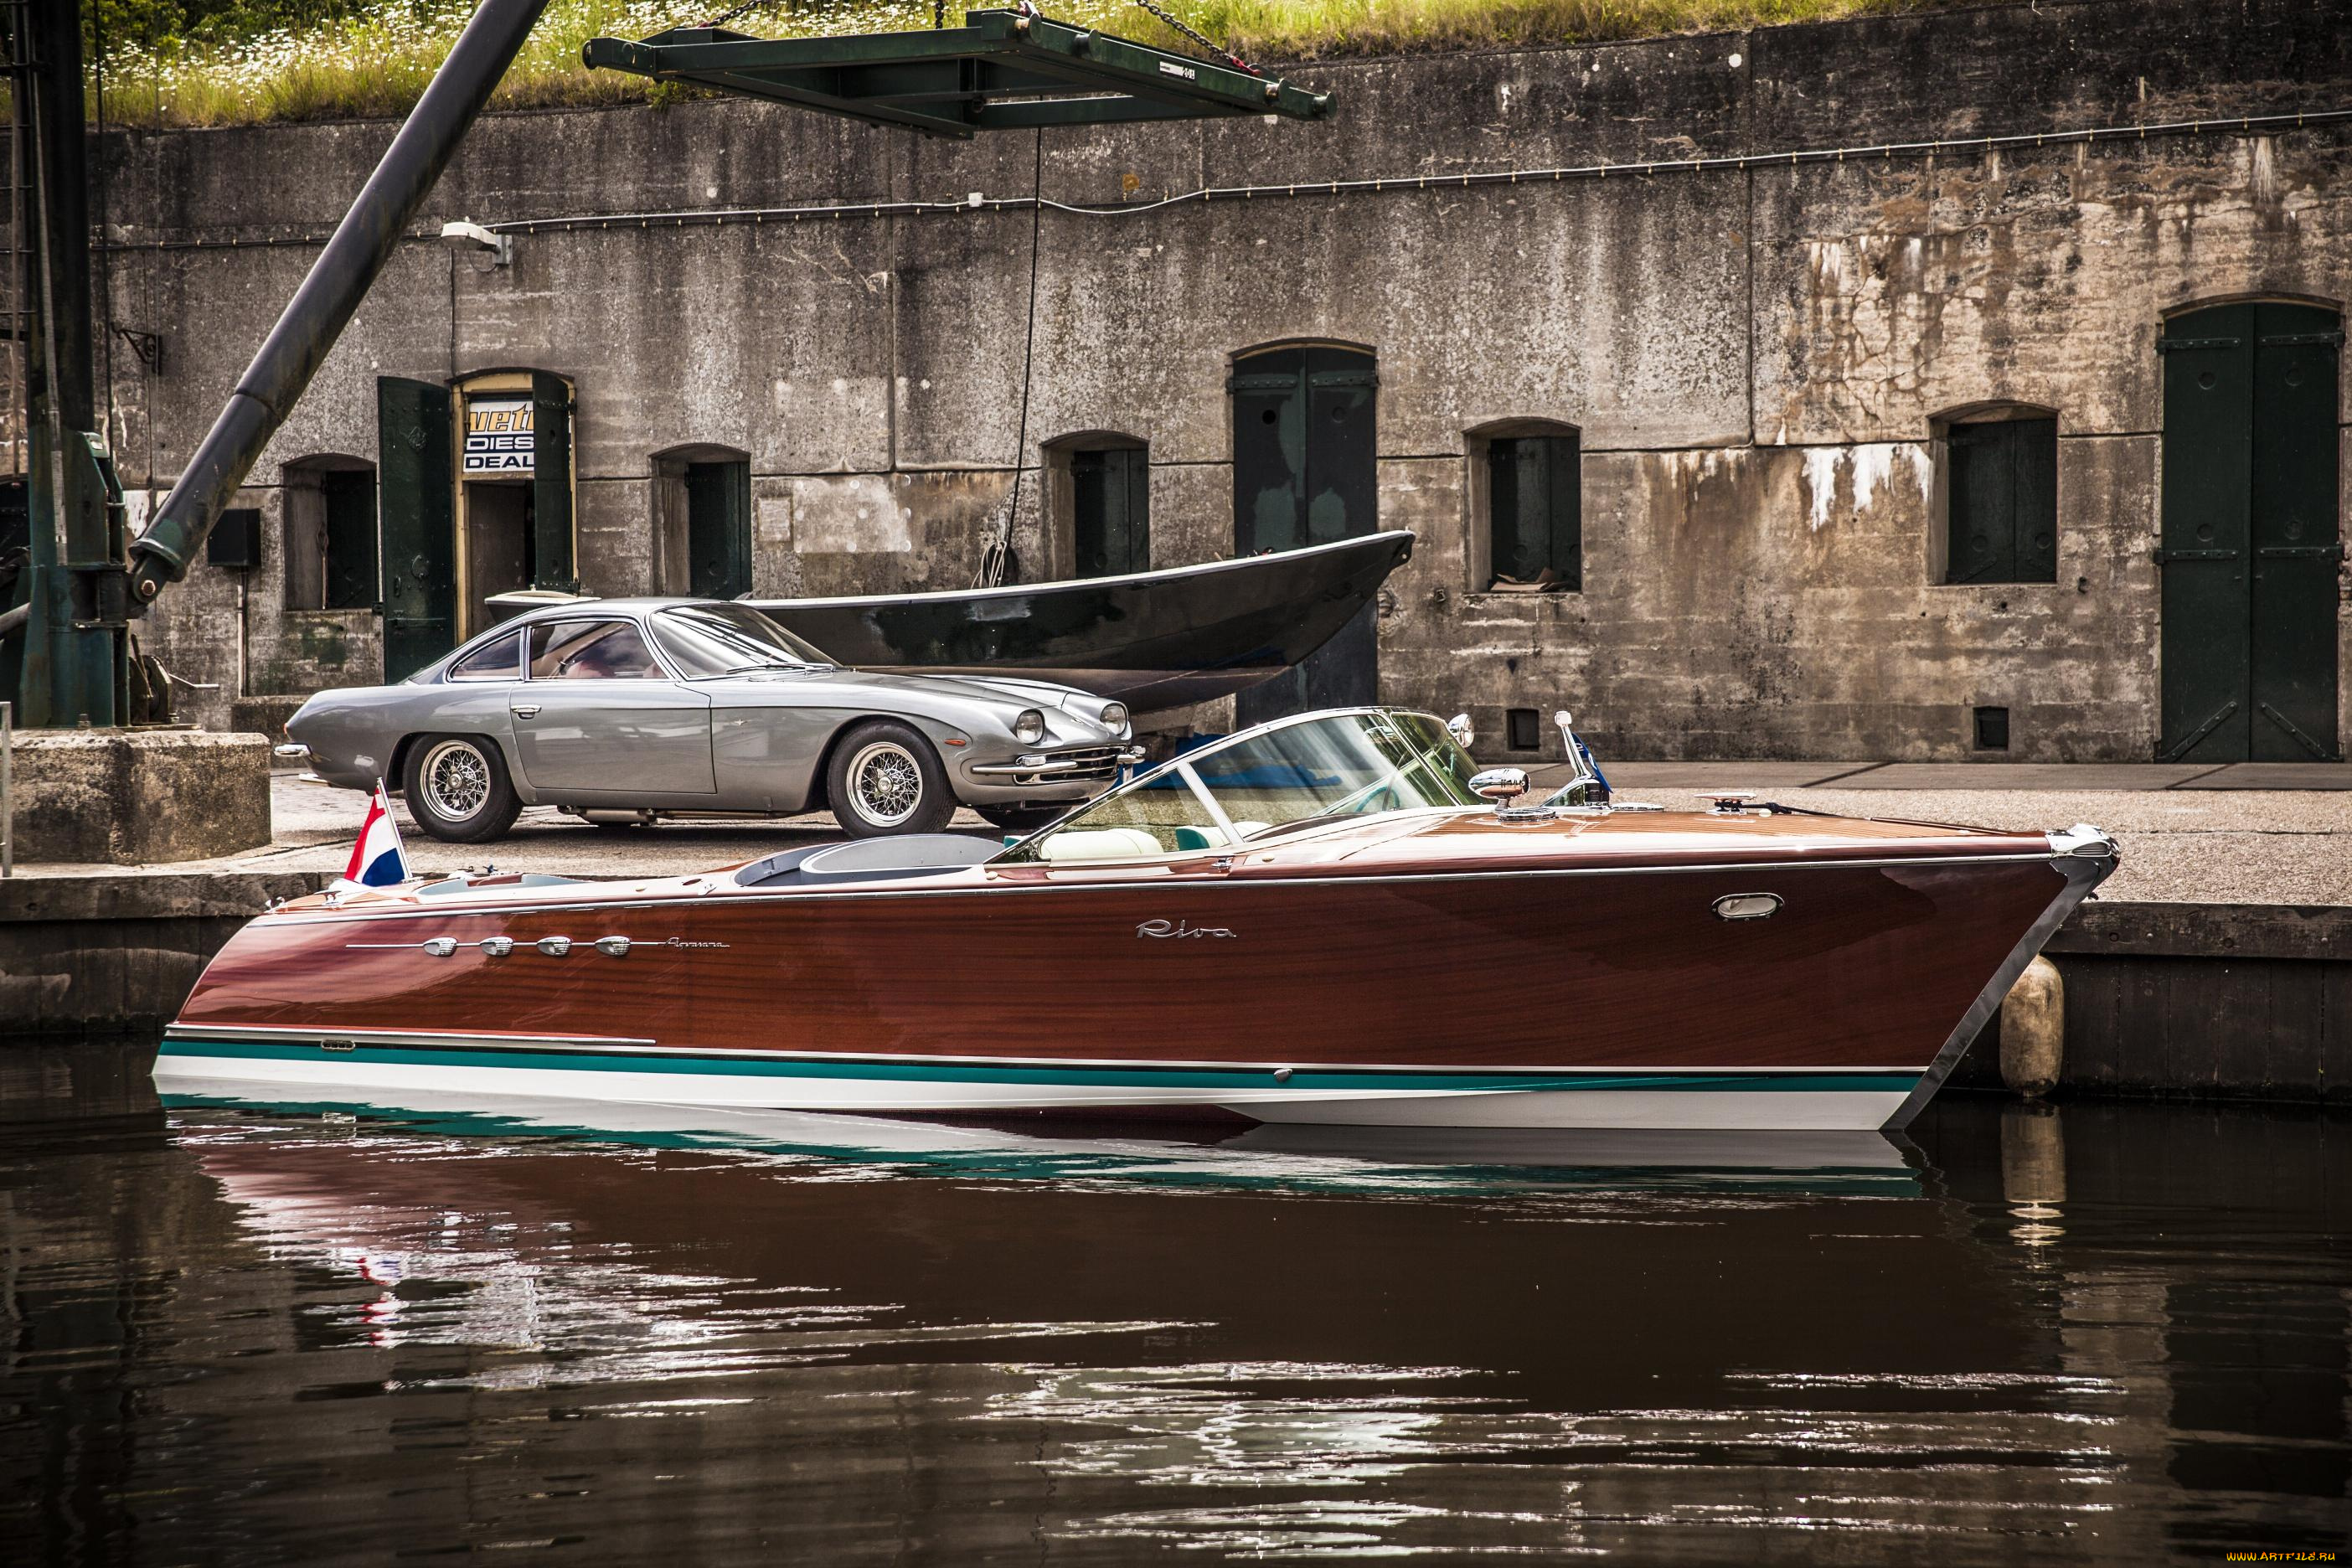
{"points": [[1114, 718], [1029, 726]]}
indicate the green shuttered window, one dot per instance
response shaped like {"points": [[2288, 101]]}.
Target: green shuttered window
{"points": [[1536, 507], [1110, 506], [329, 507], [2002, 483]]}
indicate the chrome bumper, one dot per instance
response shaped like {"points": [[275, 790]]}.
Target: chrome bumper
{"points": [[1098, 760]]}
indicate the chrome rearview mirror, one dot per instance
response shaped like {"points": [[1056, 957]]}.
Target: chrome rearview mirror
{"points": [[1501, 785], [1459, 727]]}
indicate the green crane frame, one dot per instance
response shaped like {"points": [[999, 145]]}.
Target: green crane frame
{"points": [[1001, 71]]}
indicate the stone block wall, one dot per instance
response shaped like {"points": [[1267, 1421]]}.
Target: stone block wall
{"points": [[1755, 360]]}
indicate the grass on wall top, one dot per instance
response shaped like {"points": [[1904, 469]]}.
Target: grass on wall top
{"points": [[375, 62]]}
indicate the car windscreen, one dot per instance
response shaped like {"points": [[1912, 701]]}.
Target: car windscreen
{"points": [[726, 639], [1319, 769]]}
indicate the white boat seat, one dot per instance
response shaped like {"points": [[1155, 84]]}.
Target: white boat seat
{"points": [[1100, 844]]}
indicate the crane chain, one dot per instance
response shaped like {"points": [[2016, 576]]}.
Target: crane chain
{"points": [[939, 20], [1179, 25]]}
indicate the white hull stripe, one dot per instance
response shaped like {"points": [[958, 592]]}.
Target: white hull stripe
{"points": [[369, 1077], [346, 1059], [311, 1035]]}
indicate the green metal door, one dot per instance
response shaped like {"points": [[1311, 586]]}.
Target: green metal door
{"points": [[1306, 471], [2296, 540], [2249, 534], [719, 530], [553, 564], [417, 513]]}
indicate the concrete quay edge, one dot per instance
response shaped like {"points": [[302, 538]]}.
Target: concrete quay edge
{"points": [[2318, 932], [150, 895]]}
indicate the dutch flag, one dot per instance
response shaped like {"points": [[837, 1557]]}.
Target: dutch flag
{"points": [[377, 859]]}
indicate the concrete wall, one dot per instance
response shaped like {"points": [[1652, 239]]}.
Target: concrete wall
{"points": [[1754, 358]]}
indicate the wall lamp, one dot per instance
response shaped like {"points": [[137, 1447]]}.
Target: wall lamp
{"points": [[465, 232]]}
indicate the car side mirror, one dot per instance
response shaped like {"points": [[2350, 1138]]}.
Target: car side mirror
{"points": [[1459, 727]]}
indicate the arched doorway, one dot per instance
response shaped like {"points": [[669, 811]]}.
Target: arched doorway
{"points": [[476, 499], [1306, 471], [2250, 542]]}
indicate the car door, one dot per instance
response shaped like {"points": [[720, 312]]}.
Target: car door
{"points": [[599, 716]]}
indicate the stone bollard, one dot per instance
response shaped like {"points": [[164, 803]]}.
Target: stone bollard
{"points": [[139, 797], [2033, 1030]]}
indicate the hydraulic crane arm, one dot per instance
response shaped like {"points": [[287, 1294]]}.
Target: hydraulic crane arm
{"points": [[337, 282]]}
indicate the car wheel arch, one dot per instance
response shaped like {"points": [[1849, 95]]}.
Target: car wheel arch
{"points": [[398, 764], [931, 729], [820, 798]]}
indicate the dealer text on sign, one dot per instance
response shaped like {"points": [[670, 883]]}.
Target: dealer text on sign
{"points": [[498, 437]]}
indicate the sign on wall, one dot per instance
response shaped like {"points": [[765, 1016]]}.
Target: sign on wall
{"points": [[498, 437]]}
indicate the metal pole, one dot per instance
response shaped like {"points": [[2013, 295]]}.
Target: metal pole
{"points": [[8, 800], [337, 282]]}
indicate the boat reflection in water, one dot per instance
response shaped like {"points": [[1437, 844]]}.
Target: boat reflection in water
{"points": [[1366, 1160], [317, 1333]]}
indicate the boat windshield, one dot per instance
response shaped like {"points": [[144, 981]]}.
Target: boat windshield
{"points": [[1264, 784], [704, 640]]}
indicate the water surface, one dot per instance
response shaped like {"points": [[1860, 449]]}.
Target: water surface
{"points": [[326, 1333]]}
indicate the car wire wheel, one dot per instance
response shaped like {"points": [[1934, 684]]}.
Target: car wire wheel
{"points": [[886, 783], [456, 779], [458, 788]]}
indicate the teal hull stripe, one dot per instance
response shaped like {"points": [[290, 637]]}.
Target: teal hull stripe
{"points": [[994, 1073]]}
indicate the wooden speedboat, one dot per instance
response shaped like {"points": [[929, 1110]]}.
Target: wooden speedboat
{"points": [[1153, 640], [1331, 919]]}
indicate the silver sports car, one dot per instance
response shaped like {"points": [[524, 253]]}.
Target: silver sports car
{"points": [[624, 710]]}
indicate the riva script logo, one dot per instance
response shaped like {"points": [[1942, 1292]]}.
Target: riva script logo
{"points": [[1179, 928]]}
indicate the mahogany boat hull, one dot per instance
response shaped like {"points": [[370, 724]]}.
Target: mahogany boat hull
{"points": [[1153, 640], [1583, 989]]}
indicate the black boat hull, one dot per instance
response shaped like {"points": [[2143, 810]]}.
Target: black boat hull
{"points": [[1154, 641]]}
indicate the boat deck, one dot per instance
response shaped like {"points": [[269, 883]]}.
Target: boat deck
{"points": [[2217, 844]]}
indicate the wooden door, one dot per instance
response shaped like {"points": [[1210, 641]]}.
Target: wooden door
{"points": [[719, 530], [2250, 541], [1306, 471], [417, 509]]}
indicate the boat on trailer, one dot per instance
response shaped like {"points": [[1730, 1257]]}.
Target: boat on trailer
{"points": [[1335, 918]]}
